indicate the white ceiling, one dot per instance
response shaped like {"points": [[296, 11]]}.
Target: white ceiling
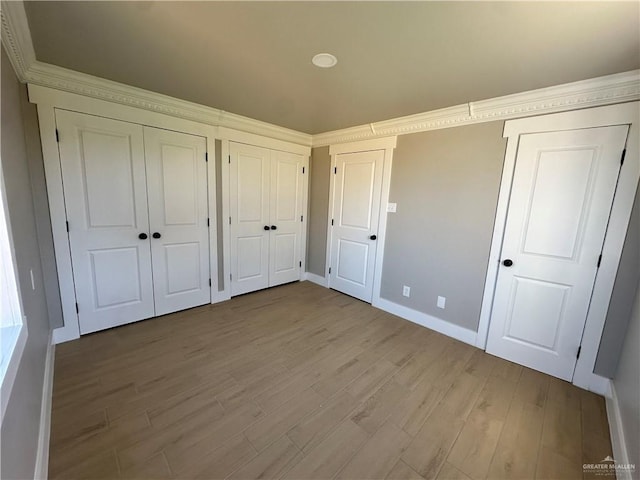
{"points": [[394, 58]]}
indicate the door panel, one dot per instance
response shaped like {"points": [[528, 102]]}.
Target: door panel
{"points": [[104, 183], [286, 215], [563, 189], [358, 185], [249, 179], [178, 211]]}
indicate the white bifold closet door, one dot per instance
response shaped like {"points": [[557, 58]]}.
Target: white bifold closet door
{"points": [[117, 197], [266, 217]]}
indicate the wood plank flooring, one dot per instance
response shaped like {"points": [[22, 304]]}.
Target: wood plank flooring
{"points": [[301, 382]]}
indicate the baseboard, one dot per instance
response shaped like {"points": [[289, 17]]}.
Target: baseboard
{"points": [[616, 430], [454, 331], [42, 456], [317, 279], [65, 334], [593, 383]]}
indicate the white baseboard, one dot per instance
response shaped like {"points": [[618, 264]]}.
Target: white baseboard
{"points": [[446, 328], [593, 383], [42, 457], [317, 279], [65, 334], [616, 429]]}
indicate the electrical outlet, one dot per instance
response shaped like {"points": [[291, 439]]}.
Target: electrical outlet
{"points": [[391, 207], [406, 291], [441, 302]]}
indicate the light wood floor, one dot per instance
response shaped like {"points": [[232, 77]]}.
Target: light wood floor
{"points": [[302, 382]]}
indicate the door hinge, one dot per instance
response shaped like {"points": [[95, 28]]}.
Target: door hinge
{"points": [[208, 224], [335, 170], [301, 218], [624, 153], [209, 282], [229, 158], [57, 136], [303, 170], [329, 270], [77, 308], [229, 220], [579, 349], [332, 222], [206, 156], [67, 226], [599, 260], [231, 277], [300, 263]]}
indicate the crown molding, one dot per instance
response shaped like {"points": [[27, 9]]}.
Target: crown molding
{"points": [[60, 78], [16, 38], [607, 90]]}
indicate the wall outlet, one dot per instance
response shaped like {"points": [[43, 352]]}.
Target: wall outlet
{"points": [[406, 291], [391, 207], [441, 302]]}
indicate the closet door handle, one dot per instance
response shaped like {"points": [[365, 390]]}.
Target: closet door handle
{"points": [[372, 237], [156, 235], [266, 227], [273, 227], [143, 236]]}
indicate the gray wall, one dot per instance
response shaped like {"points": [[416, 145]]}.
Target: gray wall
{"points": [[627, 385], [320, 174], [446, 184], [20, 426], [622, 297]]}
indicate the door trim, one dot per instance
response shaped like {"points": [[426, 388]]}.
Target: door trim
{"points": [[622, 114], [388, 144]]}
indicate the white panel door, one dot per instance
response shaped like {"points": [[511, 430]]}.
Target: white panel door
{"points": [[286, 216], [562, 192], [106, 200], [356, 207], [249, 179], [178, 219]]}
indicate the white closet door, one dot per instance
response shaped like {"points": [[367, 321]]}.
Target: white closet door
{"points": [[178, 215], [106, 200], [563, 188], [286, 216], [357, 189], [249, 179]]}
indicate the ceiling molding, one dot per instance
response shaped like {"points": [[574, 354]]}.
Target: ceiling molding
{"points": [[610, 89], [16, 38], [59, 78]]}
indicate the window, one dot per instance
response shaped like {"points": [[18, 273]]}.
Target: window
{"points": [[13, 333]]}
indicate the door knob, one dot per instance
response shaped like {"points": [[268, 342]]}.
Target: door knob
{"points": [[143, 236], [508, 262], [266, 227], [273, 227], [156, 235], [372, 237]]}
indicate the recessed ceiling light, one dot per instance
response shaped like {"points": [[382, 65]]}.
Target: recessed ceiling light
{"points": [[324, 60]]}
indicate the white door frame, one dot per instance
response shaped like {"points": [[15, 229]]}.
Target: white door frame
{"points": [[621, 114], [47, 100], [388, 144]]}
